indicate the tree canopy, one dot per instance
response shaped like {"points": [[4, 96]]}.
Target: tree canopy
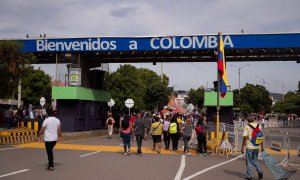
{"points": [[196, 97], [252, 98], [141, 85], [12, 66], [35, 84], [290, 104]]}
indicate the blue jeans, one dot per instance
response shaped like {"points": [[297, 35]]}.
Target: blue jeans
{"points": [[126, 141], [251, 160], [186, 140]]}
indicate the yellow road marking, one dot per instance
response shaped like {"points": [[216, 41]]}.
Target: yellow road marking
{"points": [[292, 152], [119, 149]]}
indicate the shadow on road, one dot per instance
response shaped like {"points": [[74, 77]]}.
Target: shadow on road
{"points": [[234, 173]]}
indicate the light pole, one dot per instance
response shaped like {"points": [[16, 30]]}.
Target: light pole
{"points": [[20, 89], [282, 89], [264, 81], [240, 68]]}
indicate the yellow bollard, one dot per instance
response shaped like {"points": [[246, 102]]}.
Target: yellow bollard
{"points": [[29, 124], [212, 135], [36, 126]]}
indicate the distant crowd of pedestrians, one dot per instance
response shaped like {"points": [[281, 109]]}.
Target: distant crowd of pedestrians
{"points": [[167, 128], [9, 118]]}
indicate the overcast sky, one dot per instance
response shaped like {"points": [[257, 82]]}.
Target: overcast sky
{"points": [[89, 18]]}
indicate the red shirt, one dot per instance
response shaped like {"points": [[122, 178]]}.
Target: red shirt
{"points": [[132, 119]]}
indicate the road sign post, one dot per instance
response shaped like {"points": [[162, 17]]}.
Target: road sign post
{"points": [[111, 103], [129, 103], [190, 107], [42, 102]]}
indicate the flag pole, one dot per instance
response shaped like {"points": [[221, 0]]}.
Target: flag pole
{"points": [[218, 100]]}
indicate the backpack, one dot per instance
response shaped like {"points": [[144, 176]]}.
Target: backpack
{"points": [[109, 122], [199, 130], [257, 135], [173, 128]]}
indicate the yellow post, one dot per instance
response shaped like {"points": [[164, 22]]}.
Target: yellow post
{"points": [[217, 129], [29, 124], [36, 126], [212, 135]]}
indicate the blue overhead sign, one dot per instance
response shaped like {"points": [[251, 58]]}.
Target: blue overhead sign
{"points": [[198, 42]]}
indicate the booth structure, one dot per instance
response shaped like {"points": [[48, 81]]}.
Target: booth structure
{"points": [[82, 105], [80, 108], [226, 107]]}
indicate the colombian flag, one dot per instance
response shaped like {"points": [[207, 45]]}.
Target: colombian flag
{"points": [[222, 68]]}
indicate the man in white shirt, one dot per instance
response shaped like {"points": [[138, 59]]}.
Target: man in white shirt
{"points": [[252, 150], [52, 133]]}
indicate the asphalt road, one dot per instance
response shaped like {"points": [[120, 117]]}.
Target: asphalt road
{"points": [[102, 158]]}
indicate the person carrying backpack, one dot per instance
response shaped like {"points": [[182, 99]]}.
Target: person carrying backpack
{"points": [[253, 140], [110, 125], [173, 131], [201, 138]]}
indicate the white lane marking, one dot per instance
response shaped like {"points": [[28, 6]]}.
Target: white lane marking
{"points": [[4, 175], [210, 168], [4, 149], [181, 168], [89, 154]]}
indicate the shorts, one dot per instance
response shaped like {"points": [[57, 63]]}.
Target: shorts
{"points": [[156, 138]]}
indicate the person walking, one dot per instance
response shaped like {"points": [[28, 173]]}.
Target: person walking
{"points": [[120, 124], [166, 134], [186, 134], [148, 123], [126, 128], [110, 125], [173, 130], [156, 131], [7, 117], [51, 129], [253, 140], [201, 137], [132, 120], [140, 129]]}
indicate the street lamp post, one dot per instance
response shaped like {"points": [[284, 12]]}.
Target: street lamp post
{"points": [[282, 89], [263, 79], [240, 68]]}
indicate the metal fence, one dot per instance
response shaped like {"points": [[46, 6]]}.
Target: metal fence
{"points": [[235, 132]]}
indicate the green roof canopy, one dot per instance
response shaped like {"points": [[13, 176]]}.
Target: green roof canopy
{"points": [[80, 93]]}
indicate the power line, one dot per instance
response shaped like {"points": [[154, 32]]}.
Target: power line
{"points": [[201, 68]]}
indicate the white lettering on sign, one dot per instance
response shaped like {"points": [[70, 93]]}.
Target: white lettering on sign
{"points": [[188, 42], [157, 43], [44, 45]]}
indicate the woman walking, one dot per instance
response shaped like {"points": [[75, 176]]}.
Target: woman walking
{"points": [[166, 132], [186, 134], [201, 137], [126, 127], [156, 131], [173, 130]]}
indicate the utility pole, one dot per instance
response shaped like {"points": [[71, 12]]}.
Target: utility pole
{"points": [[161, 72], [263, 79], [283, 87], [239, 70]]}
